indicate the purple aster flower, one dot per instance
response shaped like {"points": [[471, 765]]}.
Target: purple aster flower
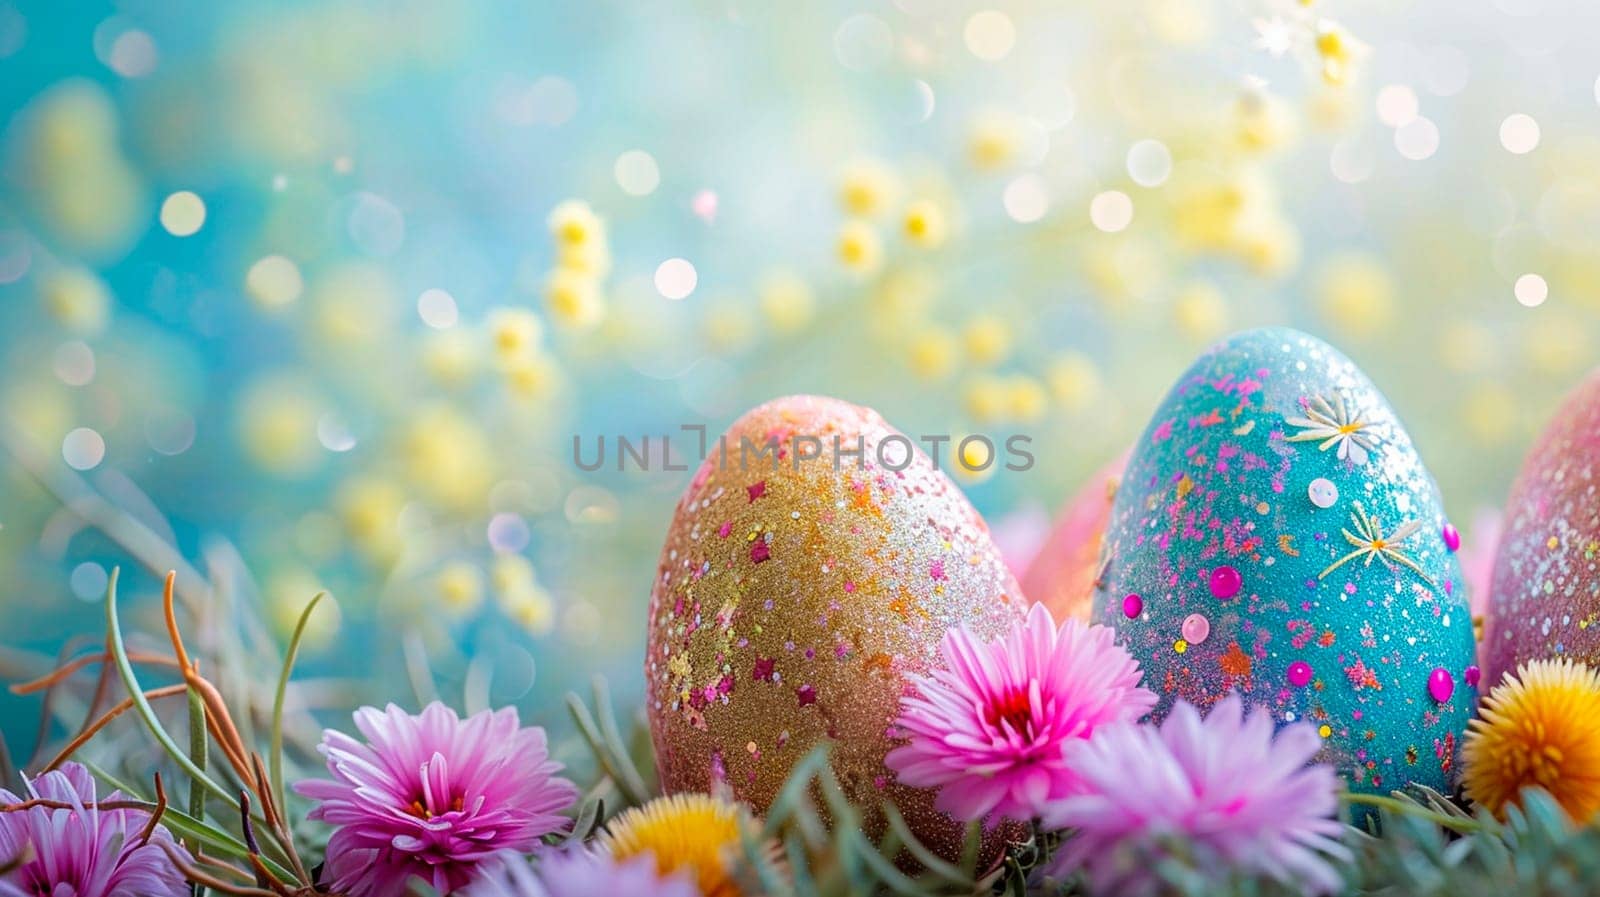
{"points": [[581, 873], [80, 849], [431, 796], [1227, 789]]}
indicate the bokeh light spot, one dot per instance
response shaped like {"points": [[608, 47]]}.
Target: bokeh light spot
{"points": [[676, 278], [1531, 290], [1418, 139], [1149, 163], [334, 434], [15, 256], [437, 309], [863, 43], [1397, 105], [88, 582], [636, 173], [1519, 133], [73, 363], [376, 225], [133, 54], [1111, 211], [273, 282], [83, 449], [990, 35], [1026, 199], [183, 214], [168, 430]]}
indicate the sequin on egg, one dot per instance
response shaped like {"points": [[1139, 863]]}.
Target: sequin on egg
{"points": [[1323, 493], [1195, 628], [1132, 606]]}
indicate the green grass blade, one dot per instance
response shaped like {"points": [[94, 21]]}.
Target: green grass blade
{"points": [[119, 653], [276, 758]]}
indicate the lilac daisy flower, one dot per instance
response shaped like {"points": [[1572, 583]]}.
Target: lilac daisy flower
{"points": [[581, 873], [1223, 786], [988, 728], [81, 849], [432, 796]]}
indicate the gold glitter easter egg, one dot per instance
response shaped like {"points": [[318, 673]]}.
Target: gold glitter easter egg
{"points": [[815, 561]]}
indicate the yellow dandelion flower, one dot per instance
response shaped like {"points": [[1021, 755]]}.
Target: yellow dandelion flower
{"points": [[573, 298], [975, 459], [867, 188], [694, 833], [860, 248], [988, 339], [1536, 728], [515, 332], [511, 572], [592, 259], [924, 224], [574, 224]]}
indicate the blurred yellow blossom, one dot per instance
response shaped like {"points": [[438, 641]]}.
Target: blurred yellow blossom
{"points": [[1355, 294], [448, 457], [986, 397], [78, 299], [994, 141], [460, 588], [514, 332], [288, 592], [934, 353], [1075, 380], [1263, 121], [370, 506], [573, 224], [1026, 398], [534, 376], [786, 301], [1200, 311], [925, 224], [987, 338], [860, 248], [451, 357], [573, 298], [867, 188], [278, 425]]}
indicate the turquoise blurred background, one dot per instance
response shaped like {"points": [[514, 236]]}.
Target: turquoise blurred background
{"points": [[320, 293]]}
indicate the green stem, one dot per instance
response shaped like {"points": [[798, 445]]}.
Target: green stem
{"points": [[1461, 824]]}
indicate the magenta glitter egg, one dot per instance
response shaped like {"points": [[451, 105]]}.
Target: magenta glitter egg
{"points": [[1544, 595]]}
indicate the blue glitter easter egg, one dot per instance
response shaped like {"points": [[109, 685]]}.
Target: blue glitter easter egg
{"points": [[1277, 535]]}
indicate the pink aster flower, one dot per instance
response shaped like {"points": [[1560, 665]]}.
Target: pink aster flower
{"points": [[581, 873], [432, 796], [988, 729], [79, 849], [1245, 802]]}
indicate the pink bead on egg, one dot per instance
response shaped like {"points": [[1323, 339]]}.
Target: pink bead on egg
{"points": [[1132, 606], [1195, 628], [1299, 674], [1225, 582], [1441, 685]]}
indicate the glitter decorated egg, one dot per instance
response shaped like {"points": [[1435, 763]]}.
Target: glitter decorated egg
{"points": [[1063, 573], [1544, 594], [1277, 535], [797, 590]]}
